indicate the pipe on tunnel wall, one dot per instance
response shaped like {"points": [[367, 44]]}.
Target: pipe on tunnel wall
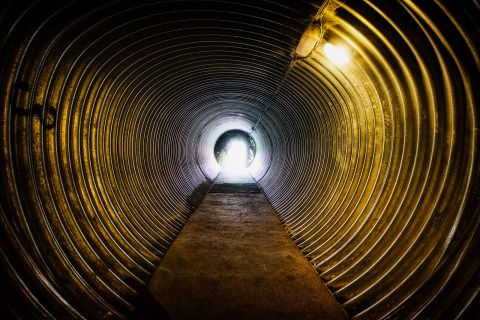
{"points": [[110, 113]]}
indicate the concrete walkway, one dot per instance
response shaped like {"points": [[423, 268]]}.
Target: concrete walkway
{"points": [[234, 260]]}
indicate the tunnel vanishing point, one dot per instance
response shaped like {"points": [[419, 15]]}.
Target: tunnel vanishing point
{"points": [[111, 110]]}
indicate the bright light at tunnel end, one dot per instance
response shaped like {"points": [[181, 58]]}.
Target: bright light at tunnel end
{"points": [[337, 54], [234, 152], [237, 155]]}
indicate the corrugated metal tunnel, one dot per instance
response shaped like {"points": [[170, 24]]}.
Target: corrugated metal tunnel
{"points": [[110, 114]]}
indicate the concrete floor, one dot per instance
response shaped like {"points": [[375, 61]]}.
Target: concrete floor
{"points": [[234, 260]]}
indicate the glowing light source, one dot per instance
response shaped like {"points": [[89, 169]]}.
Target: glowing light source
{"points": [[336, 54], [237, 155]]}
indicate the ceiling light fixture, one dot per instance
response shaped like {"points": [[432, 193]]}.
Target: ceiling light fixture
{"points": [[309, 40], [308, 43]]}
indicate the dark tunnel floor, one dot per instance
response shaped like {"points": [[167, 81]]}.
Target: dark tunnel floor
{"points": [[234, 260]]}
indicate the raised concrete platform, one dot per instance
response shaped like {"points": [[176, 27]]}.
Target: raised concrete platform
{"points": [[234, 260]]}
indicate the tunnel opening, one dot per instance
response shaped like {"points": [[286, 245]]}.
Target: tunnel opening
{"points": [[235, 150]]}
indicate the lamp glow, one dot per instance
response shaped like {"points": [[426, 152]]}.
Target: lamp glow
{"points": [[337, 55]]}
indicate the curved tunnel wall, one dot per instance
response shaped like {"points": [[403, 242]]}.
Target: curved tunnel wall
{"points": [[110, 114]]}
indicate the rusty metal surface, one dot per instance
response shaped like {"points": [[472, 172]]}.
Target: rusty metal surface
{"points": [[109, 114]]}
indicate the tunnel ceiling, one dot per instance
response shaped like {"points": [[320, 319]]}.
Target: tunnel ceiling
{"points": [[110, 113]]}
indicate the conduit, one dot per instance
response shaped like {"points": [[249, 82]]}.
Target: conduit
{"points": [[110, 113]]}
